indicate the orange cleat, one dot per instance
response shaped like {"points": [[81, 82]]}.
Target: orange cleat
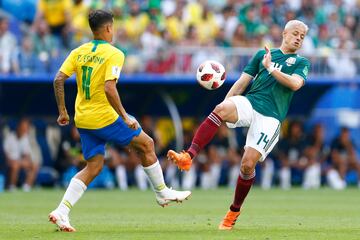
{"points": [[229, 220], [182, 160]]}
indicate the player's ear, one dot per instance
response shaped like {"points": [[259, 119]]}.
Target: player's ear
{"points": [[108, 27]]}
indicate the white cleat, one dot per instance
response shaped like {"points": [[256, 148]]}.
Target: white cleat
{"points": [[168, 195], [62, 221]]}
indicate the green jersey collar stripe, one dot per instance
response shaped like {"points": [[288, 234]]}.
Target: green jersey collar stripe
{"points": [[96, 43]]}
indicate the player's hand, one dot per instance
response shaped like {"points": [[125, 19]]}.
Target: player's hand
{"points": [[267, 58], [63, 119], [131, 123]]}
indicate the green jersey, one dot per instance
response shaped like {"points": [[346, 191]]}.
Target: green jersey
{"points": [[267, 96]]}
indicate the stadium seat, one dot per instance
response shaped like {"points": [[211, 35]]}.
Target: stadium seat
{"points": [[41, 139], [47, 175]]}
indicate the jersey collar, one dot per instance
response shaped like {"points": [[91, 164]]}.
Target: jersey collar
{"points": [[286, 53], [96, 41]]}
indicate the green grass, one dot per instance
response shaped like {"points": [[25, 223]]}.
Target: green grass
{"points": [[275, 214]]}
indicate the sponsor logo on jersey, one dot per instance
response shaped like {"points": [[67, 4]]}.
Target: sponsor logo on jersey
{"points": [[290, 61]]}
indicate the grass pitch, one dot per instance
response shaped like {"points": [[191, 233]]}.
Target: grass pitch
{"points": [[275, 214]]}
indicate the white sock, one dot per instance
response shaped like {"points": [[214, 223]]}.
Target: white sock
{"points": [[73, 193], [156, 177], [121, 177]]}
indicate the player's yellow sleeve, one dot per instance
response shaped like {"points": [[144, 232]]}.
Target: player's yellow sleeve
{"points": [[114, 66], [68, 67]]}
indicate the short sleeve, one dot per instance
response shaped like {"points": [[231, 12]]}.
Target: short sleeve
{"points": [[68, 67], [114, 66], [252, 68], [302, 69]]}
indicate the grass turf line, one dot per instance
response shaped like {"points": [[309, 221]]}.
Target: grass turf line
{"points": [[275, 214]]}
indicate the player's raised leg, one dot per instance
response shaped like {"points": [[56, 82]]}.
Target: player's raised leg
{"points": [[245, 180], [76, 188], [144, 145], [225, 111]]}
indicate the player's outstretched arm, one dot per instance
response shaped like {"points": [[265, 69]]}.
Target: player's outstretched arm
{"points": [[113, 97], [59, 81], [294, 82], [240, 85]]}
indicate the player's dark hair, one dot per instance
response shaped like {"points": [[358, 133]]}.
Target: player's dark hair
{"points": [[98, 18]]}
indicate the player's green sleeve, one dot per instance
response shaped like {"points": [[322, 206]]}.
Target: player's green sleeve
{"points": [[254, 65], [303, 68]]}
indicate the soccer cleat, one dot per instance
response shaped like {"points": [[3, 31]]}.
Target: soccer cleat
{"points": [[229, 220], [62, 221], [168, 195], [182, 160]]}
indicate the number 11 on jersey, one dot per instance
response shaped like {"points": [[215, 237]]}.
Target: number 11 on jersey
{"points": [[86, 75]]}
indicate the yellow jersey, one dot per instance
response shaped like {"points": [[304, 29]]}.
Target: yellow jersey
{"points": [[94, 63]]}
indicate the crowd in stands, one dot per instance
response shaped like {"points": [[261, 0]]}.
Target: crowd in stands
{"points": [[157, 35], [35, 153], [175, 36]]}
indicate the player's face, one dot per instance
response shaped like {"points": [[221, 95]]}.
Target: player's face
{"points": [[294, 37]]}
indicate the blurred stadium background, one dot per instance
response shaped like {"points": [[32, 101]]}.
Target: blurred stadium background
{"points": [[164, 42]]}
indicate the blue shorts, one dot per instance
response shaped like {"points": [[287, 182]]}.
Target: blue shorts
{"points": [[93, 140]]}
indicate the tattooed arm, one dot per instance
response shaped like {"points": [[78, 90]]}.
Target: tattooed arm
{"points": [[59, 81]]}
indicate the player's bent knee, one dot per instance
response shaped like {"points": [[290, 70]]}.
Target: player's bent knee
{"points": [[247, 169], [247, 166], [148, 145], [225, 109], [220, 110]]}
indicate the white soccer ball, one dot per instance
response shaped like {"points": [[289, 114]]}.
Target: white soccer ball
{"points": [[211, 74]]}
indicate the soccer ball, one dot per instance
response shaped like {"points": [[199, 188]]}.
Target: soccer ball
{"points": [[211, 75]]}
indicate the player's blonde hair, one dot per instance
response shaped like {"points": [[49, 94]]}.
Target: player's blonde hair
{"points": [[292, 23]]}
